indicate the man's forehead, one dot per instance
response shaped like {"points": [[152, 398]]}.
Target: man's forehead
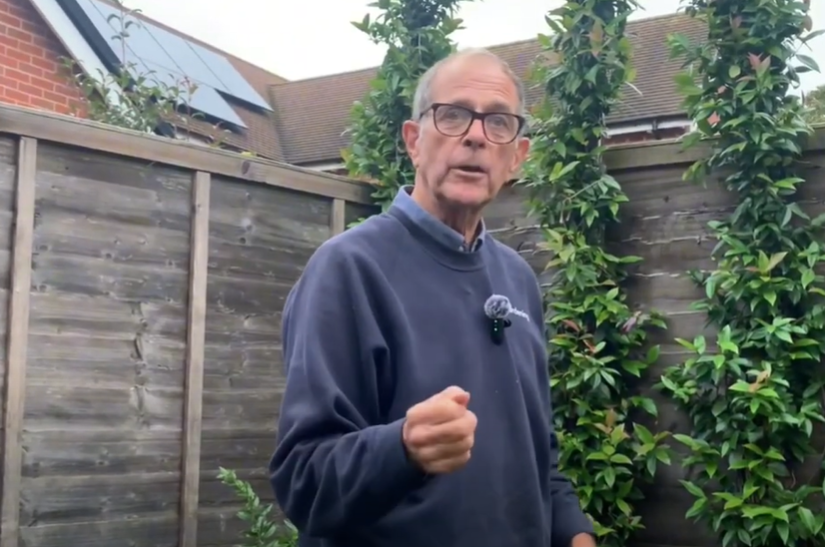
{"points": [[475, 81]]}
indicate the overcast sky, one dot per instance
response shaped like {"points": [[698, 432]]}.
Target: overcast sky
{"points": [[301, 39]]}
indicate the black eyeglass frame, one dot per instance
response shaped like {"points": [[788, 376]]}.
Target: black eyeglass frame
{"points": [[481, 116]]}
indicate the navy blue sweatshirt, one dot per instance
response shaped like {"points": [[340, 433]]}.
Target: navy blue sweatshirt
{"points": [[384, 316]]}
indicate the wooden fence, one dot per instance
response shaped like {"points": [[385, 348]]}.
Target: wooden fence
{"points": [[145, 281]]}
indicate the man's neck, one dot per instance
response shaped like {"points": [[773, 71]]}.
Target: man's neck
{"points": [[465, 222]]}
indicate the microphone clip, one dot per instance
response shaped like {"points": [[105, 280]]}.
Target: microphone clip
{"points": [[497, 308]]}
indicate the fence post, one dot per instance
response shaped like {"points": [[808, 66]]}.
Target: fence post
{"points": [[193, 401], [337, 223], [18, 340]]}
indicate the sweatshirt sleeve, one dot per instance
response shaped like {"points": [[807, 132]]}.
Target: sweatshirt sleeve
{"points": [[336, 467]]}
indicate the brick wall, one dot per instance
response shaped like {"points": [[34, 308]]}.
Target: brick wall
{"points": [[31, 73]]}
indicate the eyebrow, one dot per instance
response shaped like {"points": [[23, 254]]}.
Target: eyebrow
{"points": [[492, 107]]}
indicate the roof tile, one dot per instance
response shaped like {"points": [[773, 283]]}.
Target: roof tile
{"points": [[313, 114]]}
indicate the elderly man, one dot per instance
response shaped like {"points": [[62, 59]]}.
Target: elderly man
{"points": [[417, 407]]}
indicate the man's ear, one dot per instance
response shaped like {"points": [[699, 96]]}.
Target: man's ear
{"points": [[522, 149], [410, 132]]}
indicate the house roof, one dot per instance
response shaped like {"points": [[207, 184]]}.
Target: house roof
{"points": [[310, 116], [260, 135], [314, 113]]}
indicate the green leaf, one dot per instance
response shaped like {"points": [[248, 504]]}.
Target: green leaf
{"points": [[685, 85], [808, 62], [693, 489], [808, 520]]}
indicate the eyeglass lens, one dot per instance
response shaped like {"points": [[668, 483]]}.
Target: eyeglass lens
{"points": [[455, 120]]}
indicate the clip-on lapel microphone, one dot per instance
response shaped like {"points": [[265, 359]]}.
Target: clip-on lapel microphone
{"points": [[497, 308]]}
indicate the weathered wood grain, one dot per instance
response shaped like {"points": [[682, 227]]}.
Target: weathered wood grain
{"points": [[18, 331], [152, 150], [196, 333], [8, 180], [104, 407], [338, 221], [259, 242]]}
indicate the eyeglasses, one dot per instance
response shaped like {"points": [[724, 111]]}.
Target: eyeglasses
{"points": [[452, 120]]}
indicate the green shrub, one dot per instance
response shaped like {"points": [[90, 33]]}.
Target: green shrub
{"points": [[262, 530]]}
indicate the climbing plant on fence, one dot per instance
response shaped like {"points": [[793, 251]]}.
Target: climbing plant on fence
{"points": [[417, 35], [753, 397], [598, 343]]}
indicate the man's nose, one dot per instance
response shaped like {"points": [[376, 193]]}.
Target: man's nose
{"points": [[475, 137]]}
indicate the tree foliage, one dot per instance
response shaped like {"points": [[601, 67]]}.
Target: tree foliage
{"points": [[597, 340], [814, 102], [417, 35], [754, 394]]}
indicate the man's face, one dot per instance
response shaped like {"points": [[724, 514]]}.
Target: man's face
{"points": [[466, 171]]}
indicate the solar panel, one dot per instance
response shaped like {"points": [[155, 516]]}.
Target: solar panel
{"points": [[162, 56], [78, 47], [186, 60], [236, 85], [204, 99], [148, 42], [139, 41]]}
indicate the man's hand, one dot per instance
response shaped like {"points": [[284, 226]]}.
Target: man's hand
{"points": [[439, 432], [583, 540]]}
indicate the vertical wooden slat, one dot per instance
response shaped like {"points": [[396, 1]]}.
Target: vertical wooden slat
{"points": [[18, 338], [338, 220], [193, 411]]}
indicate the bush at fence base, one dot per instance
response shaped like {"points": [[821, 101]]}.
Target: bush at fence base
{"points": [[262, 530]]}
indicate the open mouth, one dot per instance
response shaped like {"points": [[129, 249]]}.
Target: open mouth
{"points": [[475, 169]]}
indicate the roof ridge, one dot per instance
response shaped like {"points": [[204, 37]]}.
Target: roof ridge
{"points": [[332, 75], [633, 22]]}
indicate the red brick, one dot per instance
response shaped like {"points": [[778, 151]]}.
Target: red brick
{"points": [[44, 84], [32, 49], [48, 65], [10, 20], [8, 62], [56, 98], [42, 103], [8, 41], [17, 75], [21, 35], [18, 55], [31, 61], [14, 95], [29, 89]]}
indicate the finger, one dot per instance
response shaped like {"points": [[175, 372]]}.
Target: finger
{"points": [[462, 399], [456, 394], [436, 411], [436, 453], [450, 432], [448, 465]]}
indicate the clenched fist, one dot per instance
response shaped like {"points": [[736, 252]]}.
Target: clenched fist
{"points": [[439, 432]]}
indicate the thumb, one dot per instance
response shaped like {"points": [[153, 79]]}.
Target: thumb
{"points": [[457, 395]]}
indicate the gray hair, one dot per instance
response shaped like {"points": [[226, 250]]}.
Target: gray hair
{"points": [[423, 93]]}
